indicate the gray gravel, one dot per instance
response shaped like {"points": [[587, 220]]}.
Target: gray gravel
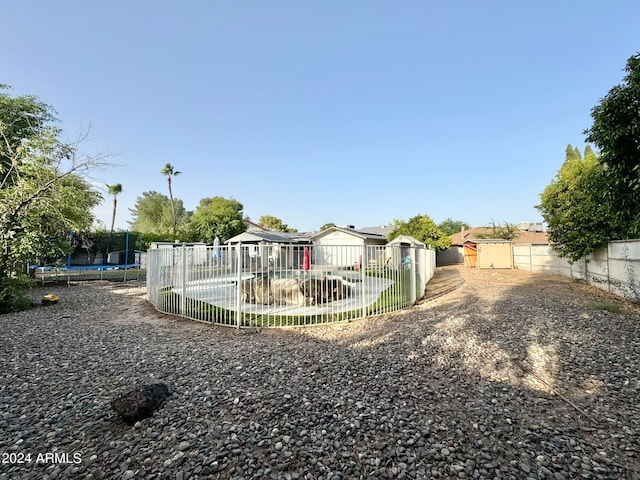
{"points": [[512, 376]]}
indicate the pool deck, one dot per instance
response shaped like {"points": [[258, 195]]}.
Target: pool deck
{"points": [[223, 292]]}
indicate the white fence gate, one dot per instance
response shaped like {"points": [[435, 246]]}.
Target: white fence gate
{"points": [[270, 285]]}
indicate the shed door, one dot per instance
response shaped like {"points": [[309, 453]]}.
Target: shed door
{"points": [[495, 255], [470, 256]]}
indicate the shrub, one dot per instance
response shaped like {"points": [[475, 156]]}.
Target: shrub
{"points": [[12, 297]]}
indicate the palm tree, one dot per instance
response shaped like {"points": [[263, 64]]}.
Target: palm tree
{"points": [[114, 190], [169, 171]]}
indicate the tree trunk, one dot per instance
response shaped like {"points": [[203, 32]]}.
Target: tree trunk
{"points": [[113, 217], [173, 207]]}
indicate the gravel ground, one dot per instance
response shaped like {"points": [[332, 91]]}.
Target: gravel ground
{"points": [[512, 376]]}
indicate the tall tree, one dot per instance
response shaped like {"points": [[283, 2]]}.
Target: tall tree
{"points": [[275, 224], [423, 228], [44, 191], [153, 214], [21, 118], [506, 231], [572, 153], [217, 217], [594, 199], [616, 133], [170, 172], [575, 207], [450, 226], [114, 190]]}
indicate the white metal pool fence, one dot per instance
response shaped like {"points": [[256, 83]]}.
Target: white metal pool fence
{"points": [[271, 285]]}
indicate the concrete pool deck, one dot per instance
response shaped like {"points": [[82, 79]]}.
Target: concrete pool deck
{"points": [[223, 292]]}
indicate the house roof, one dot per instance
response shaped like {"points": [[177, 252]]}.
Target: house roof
{"points": [[523, 237], [352, 231], [533, 237], [253, 226], [407, 239], [258, 236], [383, 230]]}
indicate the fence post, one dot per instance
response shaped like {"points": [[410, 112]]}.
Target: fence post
{"points": [[238, 284], [413, 274], [363, 278], [183, 287], [608, 271]]}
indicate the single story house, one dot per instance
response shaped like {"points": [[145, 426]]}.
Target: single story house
{"points": [[324, 242], [272, 249]]}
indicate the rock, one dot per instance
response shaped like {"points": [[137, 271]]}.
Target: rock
{"points": [[421, 394], [184, 446], [141, 401], [206, 471]]}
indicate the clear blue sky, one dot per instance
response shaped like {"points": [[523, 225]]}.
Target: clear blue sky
{"points": [[352, 112]]}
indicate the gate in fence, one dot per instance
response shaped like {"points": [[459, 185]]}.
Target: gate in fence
{"points": [[271, 285]]}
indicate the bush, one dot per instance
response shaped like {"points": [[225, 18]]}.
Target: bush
{"points": [[12, 297]]}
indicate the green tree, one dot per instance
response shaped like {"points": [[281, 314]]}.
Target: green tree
{"points": [[506, 231], [43, 191], [153, 214], [275, 224], [217, 217], [423, 228], [575, 207], [327, 225], [170, 172], [114, 190], [616, 134], [450, 226], [21, 118], [572, 153]]}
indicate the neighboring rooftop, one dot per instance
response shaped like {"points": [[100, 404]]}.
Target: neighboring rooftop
{"points": [[383, 230], [256, 236], [523, 236], [253, 226], [351, 230]]}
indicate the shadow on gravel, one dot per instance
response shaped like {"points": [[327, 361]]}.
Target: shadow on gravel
{"points": [[556, 357], [507, 377]]}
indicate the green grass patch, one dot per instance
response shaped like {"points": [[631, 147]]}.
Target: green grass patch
{"points": [[171, 302]]}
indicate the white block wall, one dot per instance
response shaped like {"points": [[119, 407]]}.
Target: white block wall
{"points": [[615, 269]]}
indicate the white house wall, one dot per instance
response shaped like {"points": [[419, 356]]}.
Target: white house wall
{"points": [[343, 257]]}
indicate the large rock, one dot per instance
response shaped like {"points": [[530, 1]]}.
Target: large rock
{"points": [[141, 401], [324, 290], [286, 291], [268, 291], [292, 291], [262, 290], [337, 290], [256, 290]]}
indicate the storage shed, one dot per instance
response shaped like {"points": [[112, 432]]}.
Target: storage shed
{"points": [[464, 246], [488, 253]]}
